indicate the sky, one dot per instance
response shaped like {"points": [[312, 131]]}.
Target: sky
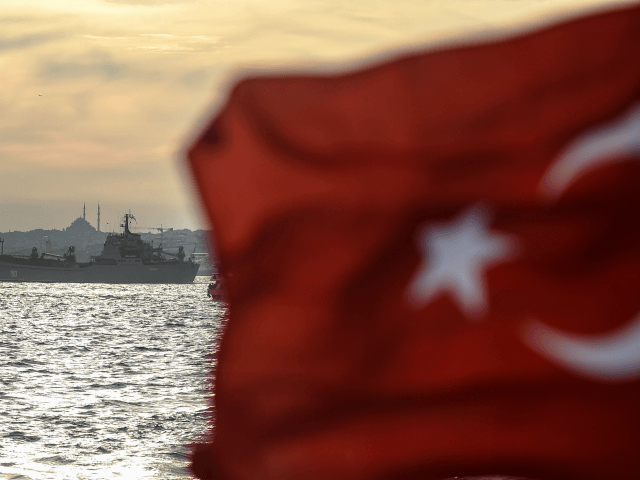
{"points": [[98, 98]]}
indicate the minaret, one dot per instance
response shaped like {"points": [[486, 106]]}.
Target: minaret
{"points": [[98, 216], [84, 211]]}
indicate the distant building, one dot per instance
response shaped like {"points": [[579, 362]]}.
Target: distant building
{"points": [[80, 225]]}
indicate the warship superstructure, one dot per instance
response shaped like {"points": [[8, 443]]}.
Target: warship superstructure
{"points": [[125, 258]]}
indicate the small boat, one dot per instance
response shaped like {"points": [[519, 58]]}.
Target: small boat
{"points": [[215, 290]]}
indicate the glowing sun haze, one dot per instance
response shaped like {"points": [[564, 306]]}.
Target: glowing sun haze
{"points": [[98, 96]]}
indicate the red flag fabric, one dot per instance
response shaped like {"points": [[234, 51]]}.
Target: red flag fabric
{"points": [[433, 264]]}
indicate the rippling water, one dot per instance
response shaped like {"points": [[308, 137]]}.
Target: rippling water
{"points": [[103, 381]]}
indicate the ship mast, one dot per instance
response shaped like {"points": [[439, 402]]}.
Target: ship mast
{"points": [[1, 246], [127, 216]]}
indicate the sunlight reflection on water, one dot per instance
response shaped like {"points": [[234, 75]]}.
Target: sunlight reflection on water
{"points": [[103, 381]]}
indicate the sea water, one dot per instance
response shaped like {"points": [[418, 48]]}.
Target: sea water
{"points": [[104, 381]]}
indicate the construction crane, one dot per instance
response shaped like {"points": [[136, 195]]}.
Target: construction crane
{"points": [[160, 229]]}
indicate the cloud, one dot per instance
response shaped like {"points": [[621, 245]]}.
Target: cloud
{"points": [[197, 78], [26, 41], [93, 64], [124, 81], [22, 19], [149, 3], [138, 181], [105, 68], [159, 42]]}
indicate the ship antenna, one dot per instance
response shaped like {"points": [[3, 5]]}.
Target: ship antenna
{"points": [[128, 216]]}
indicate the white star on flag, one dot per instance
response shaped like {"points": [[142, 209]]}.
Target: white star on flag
{"points": [[455, 256]]}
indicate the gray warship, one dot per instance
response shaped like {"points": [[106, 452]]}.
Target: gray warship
{"points": [[125, 258]]}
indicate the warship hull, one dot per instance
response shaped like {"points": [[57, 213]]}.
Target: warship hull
{"points": [[134, 272]]}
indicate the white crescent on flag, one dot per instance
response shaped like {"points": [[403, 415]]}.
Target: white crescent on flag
{"points": [[614, 356], [604, 144]]}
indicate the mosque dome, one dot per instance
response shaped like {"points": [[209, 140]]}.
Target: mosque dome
{"points": [[81, 225]]}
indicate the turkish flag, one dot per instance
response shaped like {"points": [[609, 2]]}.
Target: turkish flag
{"points": [[433, 264]]}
